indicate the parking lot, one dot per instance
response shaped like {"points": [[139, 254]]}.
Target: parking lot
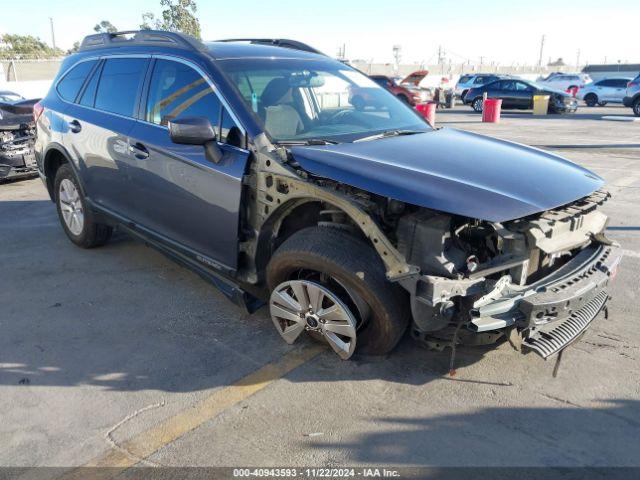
{"points": [[117, 356]]}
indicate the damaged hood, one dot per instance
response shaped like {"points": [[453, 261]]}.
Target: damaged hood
{"points": [[13, 114], [457, 172]]}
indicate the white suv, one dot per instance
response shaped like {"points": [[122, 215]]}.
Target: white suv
{"points": [[564, 81], [603, 91]]}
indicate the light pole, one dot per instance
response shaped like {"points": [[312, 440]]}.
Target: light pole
{"points": [[53, 35]]}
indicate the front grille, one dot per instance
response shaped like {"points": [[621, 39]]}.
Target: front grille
{"points": [[548, 343]]}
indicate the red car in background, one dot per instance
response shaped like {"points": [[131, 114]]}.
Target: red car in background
{"points": [[408, 93]]}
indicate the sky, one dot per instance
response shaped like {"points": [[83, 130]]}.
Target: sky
{"points": [[504, 32]]}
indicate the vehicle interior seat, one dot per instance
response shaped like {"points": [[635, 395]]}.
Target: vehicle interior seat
{"points": [[280, 116]]}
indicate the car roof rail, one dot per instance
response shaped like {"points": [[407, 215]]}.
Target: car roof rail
{"points": [[140, 37], [276, 42]]}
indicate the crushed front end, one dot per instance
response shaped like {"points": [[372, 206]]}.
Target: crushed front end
{"points": [[540, 280], [17, 156]]}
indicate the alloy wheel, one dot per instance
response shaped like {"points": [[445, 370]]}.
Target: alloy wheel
{"points": [[301, 305], [71, 206]]}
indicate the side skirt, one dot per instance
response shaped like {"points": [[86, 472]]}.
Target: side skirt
{"points": [[248, 297]]}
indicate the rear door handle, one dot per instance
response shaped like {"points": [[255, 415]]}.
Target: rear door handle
{"points": [[75, 126], [139, 151]]}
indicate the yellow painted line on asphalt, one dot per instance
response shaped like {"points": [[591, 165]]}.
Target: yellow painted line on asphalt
{"points": [[144, 444]]}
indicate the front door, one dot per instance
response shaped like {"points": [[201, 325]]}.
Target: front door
{"points": [[507, 91], [181, 195]]}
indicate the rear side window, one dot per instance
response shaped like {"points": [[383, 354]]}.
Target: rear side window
{"points": [[89, 94], [71, 83], [119, 83]]}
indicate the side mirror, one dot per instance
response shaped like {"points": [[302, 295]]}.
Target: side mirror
{"points": [[196, 131]]}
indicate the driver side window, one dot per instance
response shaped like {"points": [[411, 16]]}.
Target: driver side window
{"points": [[176, 90]]}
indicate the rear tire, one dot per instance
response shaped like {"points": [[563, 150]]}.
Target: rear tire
{"points": [[591, 100], [602, 104], [636, 107], [477, 104], [76, 218], [354, 272]]}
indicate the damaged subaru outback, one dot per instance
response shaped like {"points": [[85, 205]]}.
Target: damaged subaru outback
{"points": [[288, 178]]}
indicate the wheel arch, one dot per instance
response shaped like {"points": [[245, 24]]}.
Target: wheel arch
{"points": [[287, 219], [54, 157], [302, 195]]}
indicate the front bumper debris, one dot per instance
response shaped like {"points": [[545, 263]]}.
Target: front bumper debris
{"points": [[563, 333], [555, 310]]}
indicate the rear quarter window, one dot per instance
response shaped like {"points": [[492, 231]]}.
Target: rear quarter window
{"points": [[73, 80]]}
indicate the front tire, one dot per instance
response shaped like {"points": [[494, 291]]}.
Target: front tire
{"points": [[76, 218], [354, 273]]}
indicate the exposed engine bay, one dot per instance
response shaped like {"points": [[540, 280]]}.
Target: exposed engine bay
{"points": [[17, 140], [523, 274], [16, 151]]}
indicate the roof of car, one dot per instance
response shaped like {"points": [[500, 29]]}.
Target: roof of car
{"points": [[228, 50], [220, 49]]}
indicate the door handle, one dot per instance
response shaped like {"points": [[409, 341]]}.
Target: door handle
{"points": [[139, 151], [75, 126]]}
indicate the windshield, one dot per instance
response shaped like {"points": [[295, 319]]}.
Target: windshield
{"points": [[465, 78], [299, 100]]}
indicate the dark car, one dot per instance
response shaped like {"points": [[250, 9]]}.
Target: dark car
{"points": [[411, 95], [247, 163], [632, 96], [518, 94], [17, 136]]}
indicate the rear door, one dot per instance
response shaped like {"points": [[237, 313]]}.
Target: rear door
{"points": [[98, 124], [181, 195]]}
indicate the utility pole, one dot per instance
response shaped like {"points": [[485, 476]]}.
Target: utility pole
{"points": [[578, 59], [396, 56], [541, 50], [440, 55], [53, 35]]}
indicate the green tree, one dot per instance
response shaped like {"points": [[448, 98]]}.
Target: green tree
{"points": [[27, 46], [150, 22], [74, 49], [177, 16], [105, 26]]}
